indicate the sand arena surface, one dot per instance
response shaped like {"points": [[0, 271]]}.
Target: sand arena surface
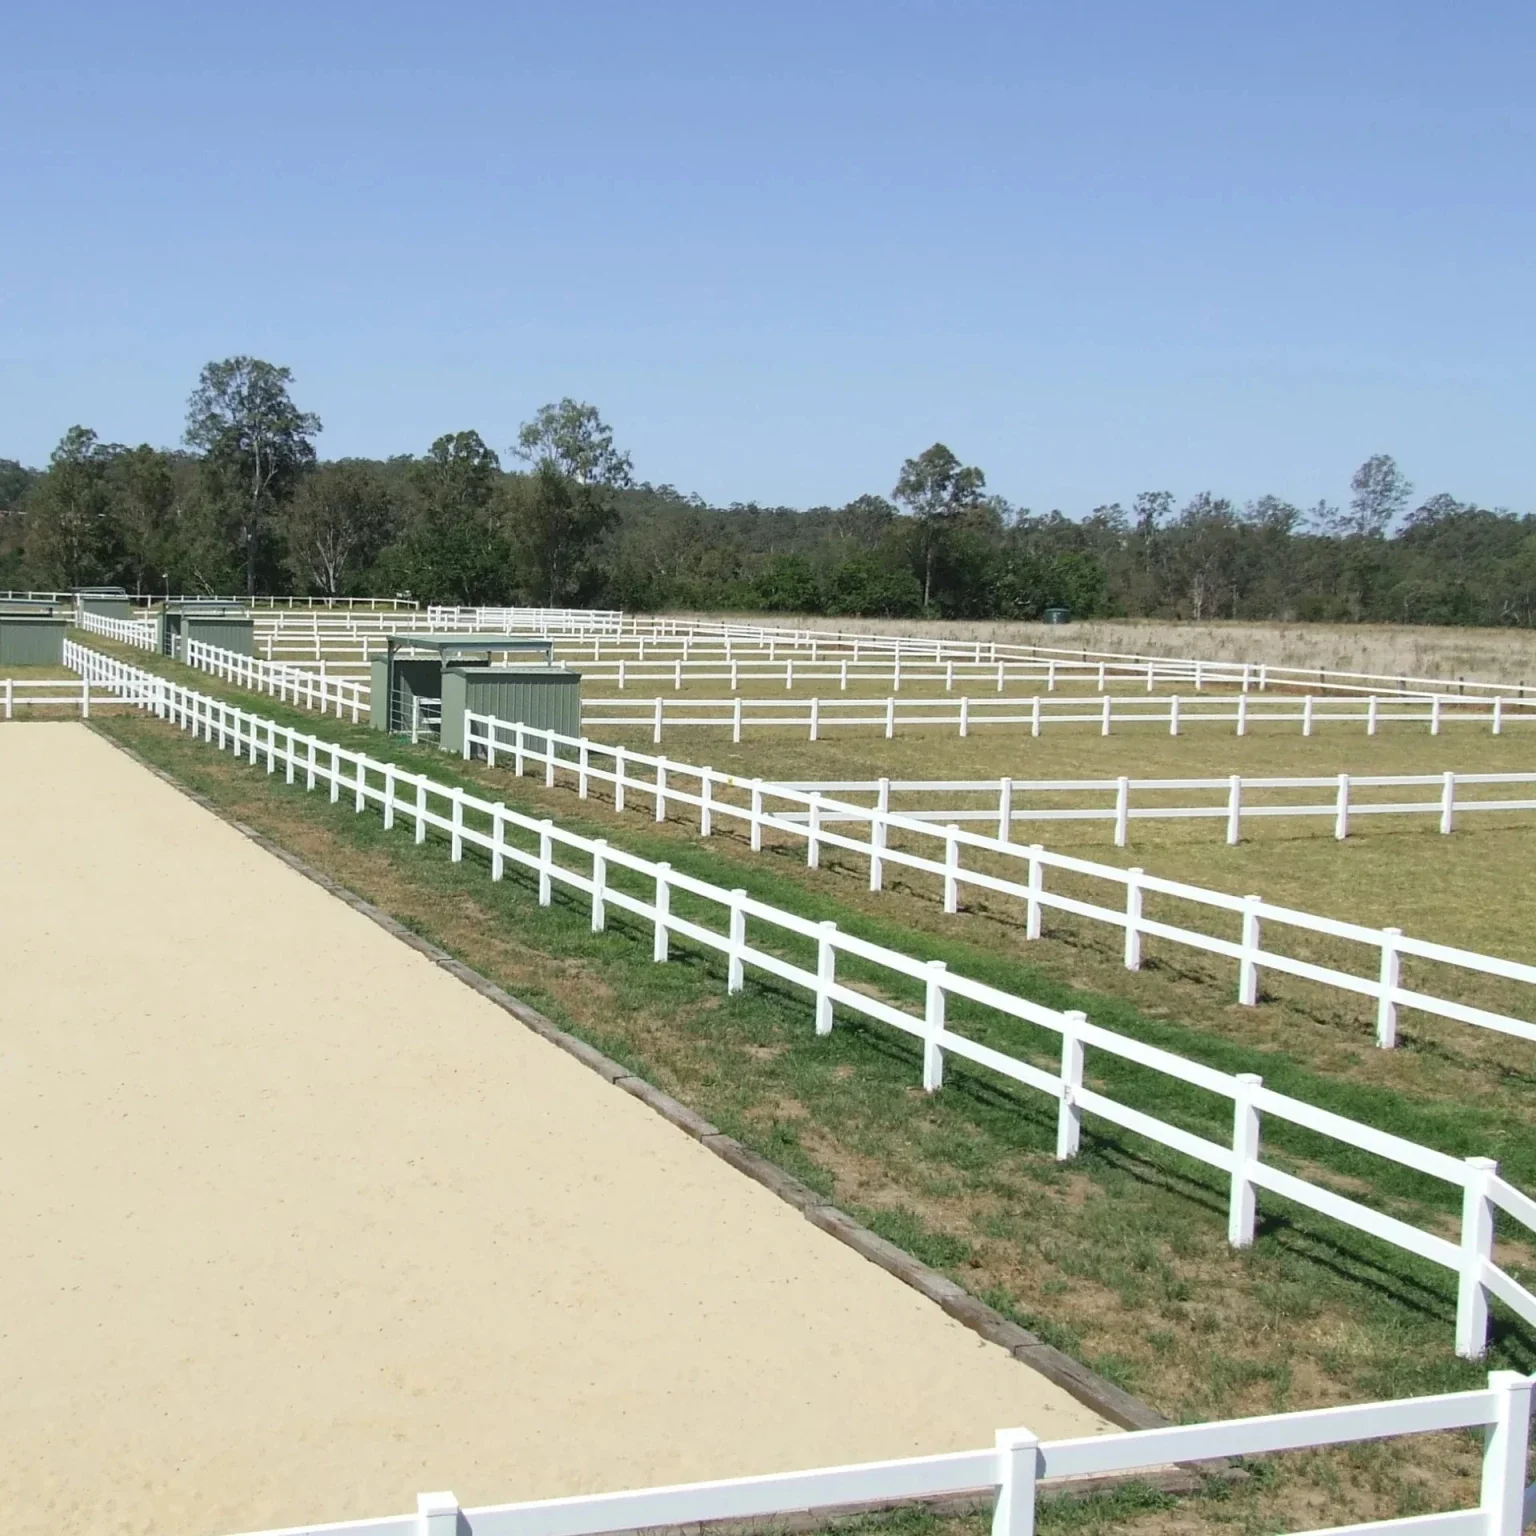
{"points": [[296, 1225]]}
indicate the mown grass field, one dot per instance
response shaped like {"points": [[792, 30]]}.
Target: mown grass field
{"points": [[1119, 1257]]}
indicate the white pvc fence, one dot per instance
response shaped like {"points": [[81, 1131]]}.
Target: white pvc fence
{"points": [[813, 817], [1171, 711], [316, 690], [509, 837], [136, 632], [53, 693], [1342, 804], [1018, 1467]]}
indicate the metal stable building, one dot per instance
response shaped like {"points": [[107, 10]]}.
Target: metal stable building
{"points": [[422, 675], [30, 635], [108, 602], [226, 625]]}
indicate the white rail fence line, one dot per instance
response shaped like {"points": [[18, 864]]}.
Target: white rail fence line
{"points": [[814, 816], [1342, 804], [1171, 711], [1018, 1468], [315, 690], [136, 632], [662, 633], [423, 804], [54, 693]]}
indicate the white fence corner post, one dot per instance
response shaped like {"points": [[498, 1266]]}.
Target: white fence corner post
{"points": [[437, 1514], [1069, 1117], [1234, 810], [1004, 809], [706, 801], [1505, 1450], [421, 808], [1448, 804], [755, 817], [1133, 918], [1248, 967], [663, 911], [1242, 1211], [456, 829], [1476, 1254], [878, 831], [951, 868], [661, 789], [1386, 1001], [1018, 1470], [813, 832], [1122, 811], [826, 975], [498, 840], [1341, 809], [933, 1027]]}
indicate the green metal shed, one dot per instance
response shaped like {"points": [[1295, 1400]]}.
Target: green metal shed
{"points": [[413, 672], [545, 698], [109, 602], [226, 625], [27, 640]]}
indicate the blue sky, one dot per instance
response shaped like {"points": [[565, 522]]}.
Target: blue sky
{"points": [[1095, 248]]}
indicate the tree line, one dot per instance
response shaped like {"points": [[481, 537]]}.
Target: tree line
{"points": [[246, 505]]}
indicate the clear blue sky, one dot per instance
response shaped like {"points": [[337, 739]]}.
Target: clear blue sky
{"points": [[1095, 248]]}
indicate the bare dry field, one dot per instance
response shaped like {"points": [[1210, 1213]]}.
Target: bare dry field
{"points": [[1393, 650], [297, 1225]]}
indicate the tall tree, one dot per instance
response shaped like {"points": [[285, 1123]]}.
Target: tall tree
{"points": [[1378, 492], [935, 488], [567, 504], [256, 443], [143, 488], [337, 522], [72, 536], [456, 551]]}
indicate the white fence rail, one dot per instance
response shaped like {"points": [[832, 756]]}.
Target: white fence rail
{"points": [[813, 817], [1342, 804], [535, 845], [136, 632], [316, 690], [1019, 1467], [1172, 712], [54, 693]]}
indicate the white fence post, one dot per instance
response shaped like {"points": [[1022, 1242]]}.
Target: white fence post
{"points": [[1370, 715], [1018, 1470], [736, 718], [951, 868], [1306, 715], [599, 884], [933, 1024], [1506, 1446], [519, 749], [1386, 1001], [618, 778], [1448, 804], [1234, 810], [421, 809], [1069, 1118], [1173, 713], [1242, 1210], [549, 759], [736, 941], [1104, 725], [456, 836], [663, 911], [755, 813], [1434, 715], [706, 801], [1476, 1252], [546, 862], [1034, 715], [1498, 714], [890, 715], [1004, 810], [661, 789], [335, 770], [362, 782], [815, 719], [878, 832], [826, 974], [498, 841], [1341, 809], [965, 715], [813, 832], [583, 763], [656, 727], [1242, 714], [1036, 887], [437, 1514], [1248, 967], [1133, 919], [1122, 811]]}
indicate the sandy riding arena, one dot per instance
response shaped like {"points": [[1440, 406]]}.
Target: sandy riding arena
{"points": [[296, 1225]]}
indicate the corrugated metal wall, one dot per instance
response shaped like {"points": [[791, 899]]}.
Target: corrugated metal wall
{"points": [[548, 698], [26, 642]]}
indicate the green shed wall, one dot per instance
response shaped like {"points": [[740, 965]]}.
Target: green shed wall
{"points": [[542, 697], [31, 642], [229, 634]]}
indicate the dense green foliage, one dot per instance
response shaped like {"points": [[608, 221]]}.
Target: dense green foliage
{"points": [[247, 506]]}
